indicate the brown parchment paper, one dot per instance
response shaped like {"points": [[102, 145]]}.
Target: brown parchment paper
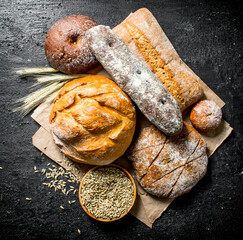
{"points": [[147, 208]]}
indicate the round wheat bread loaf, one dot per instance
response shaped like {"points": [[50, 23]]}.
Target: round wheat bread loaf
{"points": [[92, 120], [168, 167]]}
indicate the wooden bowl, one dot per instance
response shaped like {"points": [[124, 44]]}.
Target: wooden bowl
{"points": [[133, 199]]}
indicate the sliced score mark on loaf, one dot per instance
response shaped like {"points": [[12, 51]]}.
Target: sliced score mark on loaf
{"points": [[165, 166]]}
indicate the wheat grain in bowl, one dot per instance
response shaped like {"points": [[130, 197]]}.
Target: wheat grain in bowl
{"points": [[107, 193]]}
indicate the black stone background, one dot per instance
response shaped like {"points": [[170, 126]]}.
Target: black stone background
{"points": [[208, 35]]}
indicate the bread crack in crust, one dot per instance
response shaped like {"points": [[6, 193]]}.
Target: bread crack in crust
{"points": [[92, 120], [156, 63], [171, 168], [145, 38]]}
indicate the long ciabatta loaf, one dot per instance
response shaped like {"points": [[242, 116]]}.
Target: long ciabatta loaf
{"points": [[136, 79], [144, 36]]}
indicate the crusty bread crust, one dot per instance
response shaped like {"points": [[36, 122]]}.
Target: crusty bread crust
{"points": [[184, 77], [66, 48], [168, 167], [136, 79], [206, 115], [92, 120]]}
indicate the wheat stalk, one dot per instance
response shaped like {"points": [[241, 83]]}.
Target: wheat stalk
{"points": [[34, 71], [36, 98], [58, 77], [51, 82]]}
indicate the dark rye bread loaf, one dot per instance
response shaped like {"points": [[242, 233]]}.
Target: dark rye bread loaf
{"points": [[136, 79], [168, 167]]}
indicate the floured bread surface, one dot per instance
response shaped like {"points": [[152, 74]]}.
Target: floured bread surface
{"points": [[92, 120], [144, 36], [136, 79], [168, 167]]}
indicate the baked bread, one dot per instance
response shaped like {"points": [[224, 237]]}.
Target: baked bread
{"points": [[206, 115], [136, 79], [168, 167], [66, 48], [144, 36], [92, 120]]}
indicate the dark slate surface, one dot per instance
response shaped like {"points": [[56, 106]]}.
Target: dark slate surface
{"points": [[208, 35]]}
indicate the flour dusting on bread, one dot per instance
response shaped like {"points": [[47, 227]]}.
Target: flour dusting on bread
{"points": [[92, 120], [168, 166]]}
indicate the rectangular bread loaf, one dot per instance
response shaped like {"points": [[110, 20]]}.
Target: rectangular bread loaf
{"points": [[144, 36]]}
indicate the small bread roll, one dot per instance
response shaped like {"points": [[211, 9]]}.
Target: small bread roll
{"points": [[206, 115], [92, 120], [66, 47]]}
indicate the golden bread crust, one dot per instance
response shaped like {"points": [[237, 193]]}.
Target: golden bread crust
{"points": [[92, 120], [206, 115]]}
